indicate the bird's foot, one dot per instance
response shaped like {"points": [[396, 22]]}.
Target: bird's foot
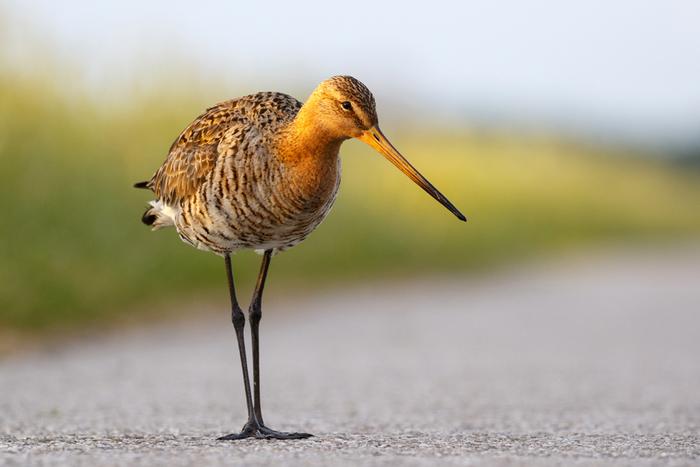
{"points": [[260, 431], [272, 434]]}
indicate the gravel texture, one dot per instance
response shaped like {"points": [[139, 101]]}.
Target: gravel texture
{"points": [[589, 362]]}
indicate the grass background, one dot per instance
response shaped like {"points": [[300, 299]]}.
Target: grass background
{"points": [[74, 254]]}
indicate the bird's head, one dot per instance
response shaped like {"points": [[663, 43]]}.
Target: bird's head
{"points": [[346, 109], [345, 106]]}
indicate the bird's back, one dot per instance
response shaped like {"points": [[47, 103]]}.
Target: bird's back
{"points": [[237, 122], [222, 185]]}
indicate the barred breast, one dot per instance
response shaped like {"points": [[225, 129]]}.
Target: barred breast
{"points": [[225, 187], [248, 203]]}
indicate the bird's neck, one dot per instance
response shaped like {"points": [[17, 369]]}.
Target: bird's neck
{"points": [[307, 139], [309, 151]]}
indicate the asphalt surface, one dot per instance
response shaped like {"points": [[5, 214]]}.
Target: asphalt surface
{"points": [[588, 362]]}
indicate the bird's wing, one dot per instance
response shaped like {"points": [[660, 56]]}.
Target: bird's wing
{"points": [[193, 154]]}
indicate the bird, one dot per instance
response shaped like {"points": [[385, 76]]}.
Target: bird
{"points": [[261, 172]]}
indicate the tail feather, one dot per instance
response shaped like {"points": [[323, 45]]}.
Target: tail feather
{"points": [[149, 218], [159, 215]]}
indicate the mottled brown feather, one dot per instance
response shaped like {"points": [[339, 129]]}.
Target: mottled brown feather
{"points": [[261, 171], [193, 154]]}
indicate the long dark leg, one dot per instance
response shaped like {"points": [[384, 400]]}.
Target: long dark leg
{"points": [[238, 320], [255, 314], [254, 427]]}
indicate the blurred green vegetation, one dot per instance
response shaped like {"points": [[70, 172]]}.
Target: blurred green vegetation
{"points": [[73, 252]]}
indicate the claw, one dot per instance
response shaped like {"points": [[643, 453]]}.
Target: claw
{"points": [[262, 432]]}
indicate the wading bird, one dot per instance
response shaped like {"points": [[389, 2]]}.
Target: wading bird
{"points": [[261, 172]]}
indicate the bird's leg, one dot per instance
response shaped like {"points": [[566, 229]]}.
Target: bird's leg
{"points": [[255, 314], [254, 427], [238, 319]]}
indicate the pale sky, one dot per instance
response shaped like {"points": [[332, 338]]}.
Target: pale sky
{"points": [[620, 67]]}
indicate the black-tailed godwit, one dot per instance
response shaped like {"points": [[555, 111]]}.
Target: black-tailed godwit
{"points": [[261, 172]]}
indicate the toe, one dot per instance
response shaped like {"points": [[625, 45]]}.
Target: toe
{"points": [[272, 434]]}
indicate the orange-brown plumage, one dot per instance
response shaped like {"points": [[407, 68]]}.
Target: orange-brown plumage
{"points": [[262, 172]]}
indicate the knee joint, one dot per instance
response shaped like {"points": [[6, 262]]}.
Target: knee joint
{"points": [[255, 314], [237, 318]]}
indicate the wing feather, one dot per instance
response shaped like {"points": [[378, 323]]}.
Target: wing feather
{"points": [[193, 154]]}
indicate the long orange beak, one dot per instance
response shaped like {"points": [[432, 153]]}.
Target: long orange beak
{"points": [[375, 138]]}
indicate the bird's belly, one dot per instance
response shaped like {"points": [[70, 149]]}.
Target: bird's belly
{"points": [[269, 220]]}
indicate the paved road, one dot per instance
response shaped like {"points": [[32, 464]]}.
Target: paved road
{"points": [[592, 362]]}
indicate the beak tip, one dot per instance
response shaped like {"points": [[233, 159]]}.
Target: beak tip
{"points": [[458, 214]]}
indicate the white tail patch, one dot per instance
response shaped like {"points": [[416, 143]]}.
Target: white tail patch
{"points": [[165, 214]]}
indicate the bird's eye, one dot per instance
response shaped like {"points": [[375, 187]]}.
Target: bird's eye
{"points": [[346, 105]]}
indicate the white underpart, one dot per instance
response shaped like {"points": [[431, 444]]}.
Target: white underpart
{"points": [[166, 214]]}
